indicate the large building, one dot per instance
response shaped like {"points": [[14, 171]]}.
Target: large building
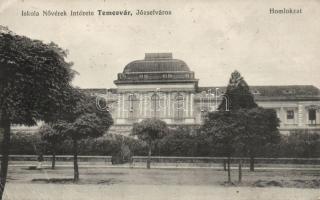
{"points": [[163, 87]]}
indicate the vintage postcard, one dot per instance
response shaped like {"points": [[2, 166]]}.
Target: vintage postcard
{"points": [[180, 99]]}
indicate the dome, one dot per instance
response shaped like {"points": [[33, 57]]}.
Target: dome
{"points": [[156, 68], [157, 62]]}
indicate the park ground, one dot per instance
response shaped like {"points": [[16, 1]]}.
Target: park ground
{"points": [[139, 184]]}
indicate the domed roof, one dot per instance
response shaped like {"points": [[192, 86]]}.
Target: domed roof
{"points": [[156, 68], [157, 62]]}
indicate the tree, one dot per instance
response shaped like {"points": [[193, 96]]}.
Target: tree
{"points": [[243, 130], [260, 124], [260, 128], [299, 143], [136, 146], [51, 137], [223, 130], [238, 94], [89, 122], [150, 131], [181, 141], [33, 81]]}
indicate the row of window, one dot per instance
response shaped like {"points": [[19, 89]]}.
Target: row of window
{"points": [[155, 97], [283, 92], [165, 76], [312, 114], [179, 105], [157, 76], [155, 107]]}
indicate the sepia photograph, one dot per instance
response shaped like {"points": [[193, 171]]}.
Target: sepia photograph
{"points": [[161, 100]]}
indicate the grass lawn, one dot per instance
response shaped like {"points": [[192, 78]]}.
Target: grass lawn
{"points": [[125, 183]]}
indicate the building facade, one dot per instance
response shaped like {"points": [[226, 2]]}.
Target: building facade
{"points": [[162, 87]]}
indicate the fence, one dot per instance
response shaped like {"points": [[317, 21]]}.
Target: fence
{"points": [[62, 158], [220, 161], [175, 162]]}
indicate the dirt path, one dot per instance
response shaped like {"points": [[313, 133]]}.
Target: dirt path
{"points": [[140, 184], [20, 191]]}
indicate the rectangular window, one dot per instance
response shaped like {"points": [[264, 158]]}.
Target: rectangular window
{"points": [[290, 114], [312, 115]]}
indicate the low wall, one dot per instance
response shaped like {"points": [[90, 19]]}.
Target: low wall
{"points": [[219, 161], [175, 162], [62, 158]]}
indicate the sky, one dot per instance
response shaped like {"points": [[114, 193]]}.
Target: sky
{"points": [[214, 37]]}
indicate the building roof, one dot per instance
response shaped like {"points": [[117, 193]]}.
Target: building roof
{"points": [[156, 68], [157, 62], [286, 90], [281, 92]]}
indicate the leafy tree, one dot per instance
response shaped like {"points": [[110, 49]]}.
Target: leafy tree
{"points": [[180, 142], [33, 80], [300, 143], [260, 124], [89, 122], [150, 131], [245, 129], [24, 143], [260, 128], [238, 94], [223, 130], [136, 146], [51, 137]]}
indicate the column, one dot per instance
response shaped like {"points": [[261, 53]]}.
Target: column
{"points": [[186, 106], [119, 106], [165, 105], [123, 111], [145, 105], [282, 116], [300, 114], [191, 105], [169, 104], [140, 104]]}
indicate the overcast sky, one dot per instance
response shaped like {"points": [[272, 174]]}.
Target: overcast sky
{"points": [[212, 37]]}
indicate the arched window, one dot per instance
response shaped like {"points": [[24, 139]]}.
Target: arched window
{"points": [[179, 107], [155, 106], [133, 107]]}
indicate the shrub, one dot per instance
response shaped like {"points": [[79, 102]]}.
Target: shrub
{"points": [[181, 141]]}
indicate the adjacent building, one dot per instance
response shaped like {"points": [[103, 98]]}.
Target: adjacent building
{"points": [[163, 87]]}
